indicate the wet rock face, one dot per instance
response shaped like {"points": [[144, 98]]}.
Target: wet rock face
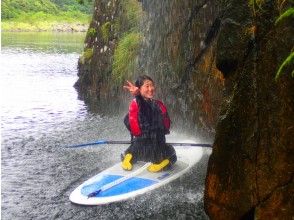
{"points": [[178, 51], [250, 171], [94, 66]]}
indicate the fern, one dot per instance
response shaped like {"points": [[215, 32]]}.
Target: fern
{"points": [[287, 64], [287, 14], [125, 55]]}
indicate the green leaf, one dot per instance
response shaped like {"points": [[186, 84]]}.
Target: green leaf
{"points": [[288, 64]]}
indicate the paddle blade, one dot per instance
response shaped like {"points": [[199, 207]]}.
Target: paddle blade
{"points": [[94, 194]]}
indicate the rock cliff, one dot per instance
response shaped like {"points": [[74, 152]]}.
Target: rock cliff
{"points": [[250, 171]]}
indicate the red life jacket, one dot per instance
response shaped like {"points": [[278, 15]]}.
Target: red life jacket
{"points": [[147, 116]]}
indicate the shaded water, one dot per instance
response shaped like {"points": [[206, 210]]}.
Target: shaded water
{"points": [[41, 113]]}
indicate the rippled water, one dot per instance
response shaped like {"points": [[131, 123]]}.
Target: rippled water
{"points": [[41, 113]]}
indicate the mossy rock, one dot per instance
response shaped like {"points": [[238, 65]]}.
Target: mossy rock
{"points": [[105, 30], [86, 56], [91, 32]]}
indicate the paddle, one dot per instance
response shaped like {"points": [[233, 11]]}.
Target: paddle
{"points": [[118, 181], [129, 142]]}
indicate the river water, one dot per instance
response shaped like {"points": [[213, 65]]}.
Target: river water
{"points": [[41, 113]]}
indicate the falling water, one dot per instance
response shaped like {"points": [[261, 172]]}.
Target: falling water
{"points": [[41, 113]]}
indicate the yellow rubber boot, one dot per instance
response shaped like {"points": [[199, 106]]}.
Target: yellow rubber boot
{"points": [[158, 167], [126, 164]]}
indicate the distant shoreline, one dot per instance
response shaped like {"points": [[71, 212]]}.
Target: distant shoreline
{"points": [[12, 26]]}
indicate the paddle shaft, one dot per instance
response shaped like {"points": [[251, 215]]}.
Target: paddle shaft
{"points": [[129, 142]]}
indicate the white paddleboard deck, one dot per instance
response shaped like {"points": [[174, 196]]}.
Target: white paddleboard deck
{"points": [[137, 184]]}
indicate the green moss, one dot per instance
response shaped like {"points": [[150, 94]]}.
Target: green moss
{"points": [[287, 66], [127, 50], [256, 5], [125, 55], [91, 32], [256, 2], [116, 26], [130, 18], [286, 15], [133, 11], [86, 56], [105, 30]]}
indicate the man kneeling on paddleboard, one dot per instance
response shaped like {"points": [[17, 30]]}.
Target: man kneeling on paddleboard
{"points": [[148, 122]]}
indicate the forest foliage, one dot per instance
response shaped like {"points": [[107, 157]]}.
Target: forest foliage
{"points": [[45, 15], [13, 9]]}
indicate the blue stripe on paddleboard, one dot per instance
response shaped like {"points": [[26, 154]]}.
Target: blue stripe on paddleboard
{"points": [[129, 185]]}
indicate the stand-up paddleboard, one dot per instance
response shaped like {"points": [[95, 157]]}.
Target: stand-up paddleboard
{"points": [[115, 184]]}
